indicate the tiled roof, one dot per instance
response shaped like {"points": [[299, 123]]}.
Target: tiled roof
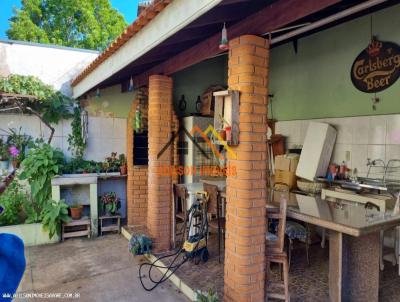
{"points": [[145, 17]]}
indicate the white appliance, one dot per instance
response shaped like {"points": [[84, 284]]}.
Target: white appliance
{"points": [[317, 150], [191, 155]]}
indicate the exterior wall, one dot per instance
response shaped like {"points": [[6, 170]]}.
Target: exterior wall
{"points": [[137, 175], [111, 102], [106, 135], [194, 80], [43, 61], [244, 278], [159, 187], [315, 82], [359, 138]]}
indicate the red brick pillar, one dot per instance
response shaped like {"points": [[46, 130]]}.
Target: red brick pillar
{"points": [[137, 175], [246, 191], [160, 191]]}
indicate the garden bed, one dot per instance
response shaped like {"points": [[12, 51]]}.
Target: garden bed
{"points": [[32, 234]]}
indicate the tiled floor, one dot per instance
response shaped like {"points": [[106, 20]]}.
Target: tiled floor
{"points": [[307, 283]]}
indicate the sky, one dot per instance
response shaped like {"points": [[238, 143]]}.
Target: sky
{"points": [[128, 8]]}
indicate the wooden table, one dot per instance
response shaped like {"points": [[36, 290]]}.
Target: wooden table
{"points": [[354, 243]]}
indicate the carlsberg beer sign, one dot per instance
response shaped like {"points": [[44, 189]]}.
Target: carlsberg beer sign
{"points": [[377, 67]]}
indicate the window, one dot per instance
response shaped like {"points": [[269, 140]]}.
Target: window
{"points": [[140, 149]]}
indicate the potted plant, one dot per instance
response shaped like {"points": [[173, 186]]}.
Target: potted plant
{"points": [[76, 211], [110, 203], [14, 152], [122, 164], [4, 155]]}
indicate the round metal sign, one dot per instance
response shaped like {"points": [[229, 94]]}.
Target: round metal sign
{"points": [[377, 67]]}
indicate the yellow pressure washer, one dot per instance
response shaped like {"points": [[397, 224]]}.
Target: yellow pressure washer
{"points": [[193, 248]]}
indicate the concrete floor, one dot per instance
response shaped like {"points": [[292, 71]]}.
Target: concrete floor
{"points": [[99, 270]]}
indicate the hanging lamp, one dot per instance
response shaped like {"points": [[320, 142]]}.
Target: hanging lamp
{"points": [[131, 87], [98, 92], [223, 45]]}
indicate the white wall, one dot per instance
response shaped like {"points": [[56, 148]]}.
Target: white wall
{"points": [[54, 65], [106, 135], [374, 137]]}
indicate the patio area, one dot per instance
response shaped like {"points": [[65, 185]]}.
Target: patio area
{"points": [[306, 283], [97, 270]]}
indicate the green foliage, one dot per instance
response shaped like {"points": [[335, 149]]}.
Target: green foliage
{"points": [[12, 200], [4, 153], [19, 140], [122, 159], [51, 104], [75, 140], [90, 24], [210, 296], [53, 215], [110, 202], [39, 167], [78, 165]]}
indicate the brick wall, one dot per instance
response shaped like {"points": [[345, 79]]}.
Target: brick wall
{"points": [[137, 175], [159, 186], [246, 192]]}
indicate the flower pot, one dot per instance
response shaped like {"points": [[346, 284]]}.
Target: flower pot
{"points": [[4, 164], [76, 212], [123, 170]]}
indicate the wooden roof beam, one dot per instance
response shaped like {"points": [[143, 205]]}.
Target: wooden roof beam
{"points": [[274, 16]]}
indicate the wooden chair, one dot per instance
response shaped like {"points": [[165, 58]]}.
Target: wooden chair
{"points": [[215, 208], [180, 209], [275, 252]]}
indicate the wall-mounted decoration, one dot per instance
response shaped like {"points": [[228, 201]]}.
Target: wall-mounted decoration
{"points": [[226, 115], [377, 67], [223, 44], [208, 100], [182, 104]]}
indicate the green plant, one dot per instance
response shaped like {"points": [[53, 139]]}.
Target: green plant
{"points": [[12, 201], [122, 159], [111, 163], [4, 154], [209, 296], [75, 23], [75, 140], [19, 140], [54, 213], [110, 202], [51, 105], [39, 167]]}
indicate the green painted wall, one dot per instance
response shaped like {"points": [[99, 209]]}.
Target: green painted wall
{"points": [[194, 80], [111, 103], [315, 82]]}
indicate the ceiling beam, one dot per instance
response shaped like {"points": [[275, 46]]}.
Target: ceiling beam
{"points": [[274, 16]]}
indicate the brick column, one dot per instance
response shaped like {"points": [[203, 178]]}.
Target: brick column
{"points": [[246, 191], [159, 186], [137, 175]]}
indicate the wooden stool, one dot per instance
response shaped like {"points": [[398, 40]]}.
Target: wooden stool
{"points": [[275, 252], [114, 226], [76, 228]]}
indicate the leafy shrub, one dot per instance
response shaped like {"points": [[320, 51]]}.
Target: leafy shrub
{"points": [[12, 201], [39, 167], [52, 104], [53, 215], [210, 296]]}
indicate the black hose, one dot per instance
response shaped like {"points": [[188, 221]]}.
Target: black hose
{"points": [[172, 267]]}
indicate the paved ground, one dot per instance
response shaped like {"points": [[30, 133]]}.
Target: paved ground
{"points": [[306, 283], [99, 270]]}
